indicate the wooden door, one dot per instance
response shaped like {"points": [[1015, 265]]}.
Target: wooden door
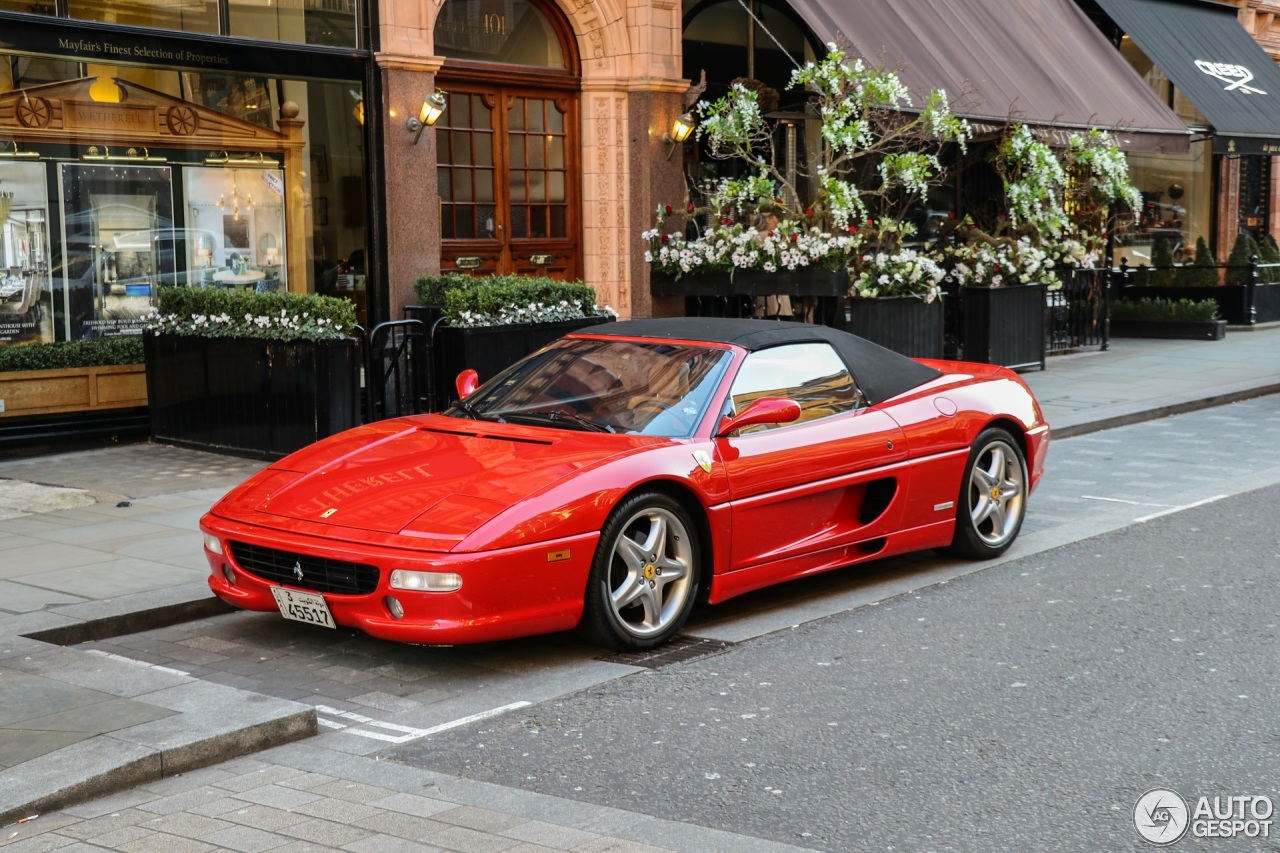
{"points": [[509, 182]]}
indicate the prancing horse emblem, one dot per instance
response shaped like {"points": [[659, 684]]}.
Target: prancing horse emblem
{"points": [[703, 459], [297, 569]]}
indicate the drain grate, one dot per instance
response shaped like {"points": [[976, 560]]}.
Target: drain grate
{"points": [[680, 649]]}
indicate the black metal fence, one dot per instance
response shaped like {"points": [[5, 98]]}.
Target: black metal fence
{"points": [[1246, 294]]}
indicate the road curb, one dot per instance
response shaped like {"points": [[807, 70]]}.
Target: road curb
{"points": [[1164, 411], [109, 764]]}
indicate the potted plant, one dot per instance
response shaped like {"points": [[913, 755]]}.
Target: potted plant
{"points": [[491, 322], [1167, 318], [896, 302], [260, 374], [1002, 286], [1005, 278], [72, 376], [880, 155]]}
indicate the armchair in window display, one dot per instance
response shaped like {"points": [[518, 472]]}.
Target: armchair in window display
{"points": [[24, 271]]}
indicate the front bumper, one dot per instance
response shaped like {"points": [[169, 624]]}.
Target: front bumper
{"points": [[513, 592]]}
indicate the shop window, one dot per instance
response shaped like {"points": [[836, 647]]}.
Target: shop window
{"points": [[1177, 206], [514, 32], [190, 16], [320, 22], [92, 223], [26, 297]]}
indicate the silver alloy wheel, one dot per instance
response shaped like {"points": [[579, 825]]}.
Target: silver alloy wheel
{"points": [[997, 491], [650, 572]]}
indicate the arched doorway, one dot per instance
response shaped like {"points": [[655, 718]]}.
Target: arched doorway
{"points": [[508, 145]]}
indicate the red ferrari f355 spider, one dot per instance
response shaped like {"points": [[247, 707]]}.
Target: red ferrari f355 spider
{"points": [[623, 473]]}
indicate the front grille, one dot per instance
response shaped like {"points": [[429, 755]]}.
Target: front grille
{"points": [[318, 574]]}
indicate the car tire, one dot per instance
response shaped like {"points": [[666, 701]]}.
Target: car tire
{"points": [[644, 576], [993, 497]]}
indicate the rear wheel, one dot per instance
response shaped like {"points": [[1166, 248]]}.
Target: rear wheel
{"points": [[645, 574], [993, 497]]}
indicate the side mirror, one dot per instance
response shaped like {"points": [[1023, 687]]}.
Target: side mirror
{"points": [[466, 383], [766, 410]]}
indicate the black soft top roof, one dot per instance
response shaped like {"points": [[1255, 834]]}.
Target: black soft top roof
{"points": [[880, 373]]}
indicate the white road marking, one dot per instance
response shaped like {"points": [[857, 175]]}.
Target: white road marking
{"points": [[1123, 501], [408, 733], [1172, 510], [157, 667]]}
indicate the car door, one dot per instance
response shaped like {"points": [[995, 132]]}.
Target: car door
{"points": [[823, 482]]}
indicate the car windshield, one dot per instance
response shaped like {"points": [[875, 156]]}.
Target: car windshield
{"points": [[608, 385]]}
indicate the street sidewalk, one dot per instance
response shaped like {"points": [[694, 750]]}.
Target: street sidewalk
{"points": [[104, 542]]}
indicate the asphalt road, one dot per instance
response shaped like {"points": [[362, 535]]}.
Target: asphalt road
{"points": [[1022, 708]]}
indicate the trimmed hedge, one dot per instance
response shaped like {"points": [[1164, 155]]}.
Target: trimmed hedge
{"points": [[1148, 310], [96, 352], [197, 311], [462, 295]]}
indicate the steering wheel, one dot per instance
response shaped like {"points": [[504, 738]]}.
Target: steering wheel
{"points": [[649, 407]]}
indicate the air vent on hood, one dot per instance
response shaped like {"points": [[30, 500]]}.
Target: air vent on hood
{"points": [[488, 435]]}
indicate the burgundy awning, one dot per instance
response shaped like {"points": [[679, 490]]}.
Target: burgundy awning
{"points": [[1041, 62]]}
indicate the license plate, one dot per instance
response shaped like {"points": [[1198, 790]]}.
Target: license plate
{"points": [[303, 607]]}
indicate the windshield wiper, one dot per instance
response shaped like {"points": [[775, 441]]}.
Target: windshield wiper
{"points": [[561, 416]]}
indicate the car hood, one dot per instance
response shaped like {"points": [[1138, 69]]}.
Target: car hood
{"points": [[438, 481]]}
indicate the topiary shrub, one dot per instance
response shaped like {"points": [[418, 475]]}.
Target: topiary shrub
{"points": [[1162, 271], [1240, 259], [96, 352], [1269, 254], [1201, 272]]}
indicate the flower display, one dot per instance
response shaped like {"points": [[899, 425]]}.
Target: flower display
{"points": [[790, 246], [902, 273], [534, 312], [1001, 263]]}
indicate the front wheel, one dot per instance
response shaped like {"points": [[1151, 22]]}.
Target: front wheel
{"points": [[993, 497], [645, 574]]}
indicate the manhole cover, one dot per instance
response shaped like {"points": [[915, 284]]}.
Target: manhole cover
{"points": [[681, 649]]}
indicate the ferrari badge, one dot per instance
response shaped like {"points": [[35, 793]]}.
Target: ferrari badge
{"points": [[703, 459]]}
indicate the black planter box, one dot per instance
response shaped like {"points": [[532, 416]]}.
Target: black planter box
{"points": [[1004, 325], [250, 397], [488, 350], [805, 282], [904, 324], [1232, 300], [1190, 330]]}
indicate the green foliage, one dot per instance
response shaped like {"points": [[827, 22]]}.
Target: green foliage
{"points": [[96, 352], [1162, 271], [1157, 310], [504, 299], [430, 289], [1239, 261], [1269, 253], [1202, 272], [221, 313]]}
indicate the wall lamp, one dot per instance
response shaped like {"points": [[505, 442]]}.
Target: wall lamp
{"points": [[432, 108], [680, 130]]}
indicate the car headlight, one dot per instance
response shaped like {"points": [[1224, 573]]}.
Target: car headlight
{"points": [[425, 581], [213, 544]]}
